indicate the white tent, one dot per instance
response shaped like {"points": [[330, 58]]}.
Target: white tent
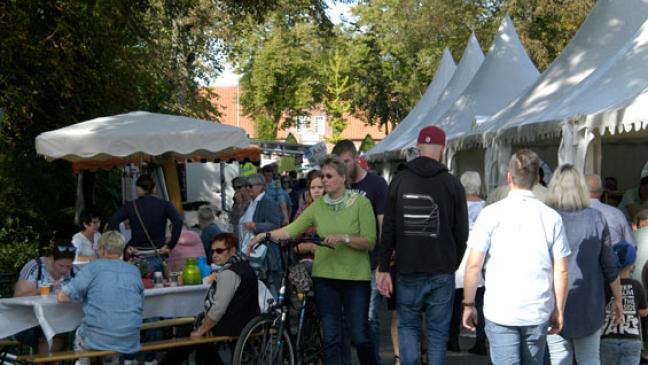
{"points": [[471, 60], [541, 112], [439, 82], [132, 134], [505, 73]]}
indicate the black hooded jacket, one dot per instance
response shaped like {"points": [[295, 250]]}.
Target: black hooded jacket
{"points": [[426, 220]]}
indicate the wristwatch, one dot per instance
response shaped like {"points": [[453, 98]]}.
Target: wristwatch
{"points": [[347, 239]]}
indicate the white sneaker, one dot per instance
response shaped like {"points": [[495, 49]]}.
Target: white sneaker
{"points": [[130, 362], [154, 362]]}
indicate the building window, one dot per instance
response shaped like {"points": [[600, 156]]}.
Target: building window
{"points": [[302, 124], [320, 124]]}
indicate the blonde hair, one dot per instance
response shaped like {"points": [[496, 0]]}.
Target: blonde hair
{"points": [[567, 189], [112, 242]]}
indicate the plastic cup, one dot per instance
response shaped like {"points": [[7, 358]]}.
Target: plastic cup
{"points": [[45, 290]]}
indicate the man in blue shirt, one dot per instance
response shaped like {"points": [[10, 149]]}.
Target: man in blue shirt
{"points": [[112, 294]]}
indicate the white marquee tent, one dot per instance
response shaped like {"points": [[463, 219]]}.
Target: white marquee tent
{"points": [[471, 60], [549, 108], [129, 135], [505, 73], [439, 82]]}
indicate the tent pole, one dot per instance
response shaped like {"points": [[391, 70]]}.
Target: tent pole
{"points": [[173, 184]]}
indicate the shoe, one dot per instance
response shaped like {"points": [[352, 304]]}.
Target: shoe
{"points": [[130, 362], [154, 362], [478, 350], [454, 347]]}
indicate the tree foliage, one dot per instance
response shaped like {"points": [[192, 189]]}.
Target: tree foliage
{"points": [[336, 97], [65, 61]]}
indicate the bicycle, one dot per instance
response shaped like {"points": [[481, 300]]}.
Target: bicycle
{"points": [[269, 338]]}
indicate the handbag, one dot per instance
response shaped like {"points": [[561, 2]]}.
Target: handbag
{"points": [[165, 265]]}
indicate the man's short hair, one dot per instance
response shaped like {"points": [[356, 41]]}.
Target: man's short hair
{"points": [[239, 182], [228, 239], [641, 216], [523, 168], [256, 179], [269, 168], [471, 182], [345, 146], [594, 184], [146, 183], [112, 242], [206, 215]]}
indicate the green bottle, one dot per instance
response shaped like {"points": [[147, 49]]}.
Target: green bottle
{"points": [[191, 273]]}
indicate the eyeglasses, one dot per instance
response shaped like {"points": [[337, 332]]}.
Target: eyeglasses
{"points": [[219, 251], [62, 249], [327, 176]]}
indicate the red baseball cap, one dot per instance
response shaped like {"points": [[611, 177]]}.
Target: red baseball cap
{"points": [[431, 135]]}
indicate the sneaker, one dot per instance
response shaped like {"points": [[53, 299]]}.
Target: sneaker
{"points": [[130, 362], [478, 350], [153, 362]]}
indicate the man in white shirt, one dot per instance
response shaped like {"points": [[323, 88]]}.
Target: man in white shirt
{"points": [[617, 223], [527, 269]]}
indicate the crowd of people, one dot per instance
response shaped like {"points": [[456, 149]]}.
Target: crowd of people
{"points": [[543, 272]]}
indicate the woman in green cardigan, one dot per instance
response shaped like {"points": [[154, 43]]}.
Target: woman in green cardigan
{"points": [[342, 275]]}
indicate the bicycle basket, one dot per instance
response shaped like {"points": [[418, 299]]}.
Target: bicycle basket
{"points": [[299, 278]]}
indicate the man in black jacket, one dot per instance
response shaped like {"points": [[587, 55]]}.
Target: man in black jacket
{"points": [[426, 224]]}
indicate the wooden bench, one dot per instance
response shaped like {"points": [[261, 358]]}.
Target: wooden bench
{"points": [[145, 347], [5, 346], [171, 322]]}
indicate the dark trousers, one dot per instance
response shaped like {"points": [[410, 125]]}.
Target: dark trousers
{"points": [[455, 322], [334, 297]]}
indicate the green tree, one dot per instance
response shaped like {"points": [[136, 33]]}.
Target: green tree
{"points": [[65, 61], [336, 103], [367, 143]]}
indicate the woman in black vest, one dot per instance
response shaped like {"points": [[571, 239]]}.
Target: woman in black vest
{"points": [[231, 302]]}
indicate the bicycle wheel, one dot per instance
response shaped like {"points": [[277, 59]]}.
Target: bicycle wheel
{"points": [[260, 344], [311, 350]]}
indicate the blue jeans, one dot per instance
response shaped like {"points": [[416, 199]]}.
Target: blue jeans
{"points": [[374, 316], [620, 351], [334, 297], [584, 349], [513, 345], [433, 295]]}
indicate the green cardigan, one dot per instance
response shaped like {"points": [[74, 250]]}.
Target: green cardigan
{"points": [[343, 262]]}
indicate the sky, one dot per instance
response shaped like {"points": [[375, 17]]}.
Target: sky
{"points": [[335, 12]]}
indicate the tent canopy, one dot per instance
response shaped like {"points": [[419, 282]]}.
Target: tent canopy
{"points": [[505, 73], [140, 134], [538, 113], [470, 62], [428, 101]]}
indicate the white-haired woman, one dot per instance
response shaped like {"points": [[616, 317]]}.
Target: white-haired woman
{"points": [[471, 182], [592, 264]]}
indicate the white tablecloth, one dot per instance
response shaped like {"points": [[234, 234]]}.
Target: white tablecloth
{"points": [[18, 314]]}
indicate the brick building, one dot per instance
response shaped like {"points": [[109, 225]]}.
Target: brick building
{"points": [[310, 129]]}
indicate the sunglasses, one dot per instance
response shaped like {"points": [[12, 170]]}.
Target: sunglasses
{"points": [[327, 176], [219, 251], [62, 249]]}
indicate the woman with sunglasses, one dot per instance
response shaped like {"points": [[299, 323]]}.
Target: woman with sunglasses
{"points": [[51, 271], [231, 302], [342, 275]]}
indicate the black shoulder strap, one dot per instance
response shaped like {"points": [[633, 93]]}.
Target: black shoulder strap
{"points": [[39, 274]]}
